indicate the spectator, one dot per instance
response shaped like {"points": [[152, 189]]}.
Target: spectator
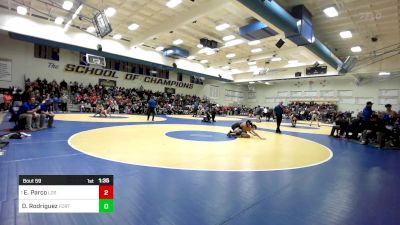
{"points": [[27, 113], [372, 127], [64, 103], [340, 126], [46, 113], [367, 112], [7, 100], [56, 102]]}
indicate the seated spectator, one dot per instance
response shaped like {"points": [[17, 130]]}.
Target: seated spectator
{"points": [[340, 126], [371, 129], [388, 134], [56, 101], [46, 113], [355, 127], [82, 106], [27, 114]]}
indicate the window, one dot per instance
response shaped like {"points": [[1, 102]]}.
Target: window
{"points": [[214, 92], [196, 80], [82, 58], [162, 73], [46, 52], [180, 77], [148, 72], [133, 70], [140, 69], [113, 64], [167, 74]]}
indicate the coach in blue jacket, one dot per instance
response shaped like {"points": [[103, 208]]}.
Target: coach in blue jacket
{"points": [[367, 112]]}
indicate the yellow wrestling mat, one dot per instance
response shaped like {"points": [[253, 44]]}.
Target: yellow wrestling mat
{"points": [[217, 118], [301, 128], [197, 147], [116, 118], [298, 122]]}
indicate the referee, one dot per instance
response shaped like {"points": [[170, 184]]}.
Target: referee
{"points": [[278, 110], [152, 103]]}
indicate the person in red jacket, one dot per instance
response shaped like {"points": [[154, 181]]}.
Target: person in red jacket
{"points": [[7, 100]]}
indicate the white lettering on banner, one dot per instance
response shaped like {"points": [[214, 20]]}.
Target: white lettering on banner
{"points": [[128, 76]]}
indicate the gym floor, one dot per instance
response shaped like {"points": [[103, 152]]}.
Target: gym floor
{"points": [[180, 171]]}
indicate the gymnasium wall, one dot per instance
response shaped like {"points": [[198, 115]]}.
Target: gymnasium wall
{"points": [[345, 91], [48, 30], [24, 64]]}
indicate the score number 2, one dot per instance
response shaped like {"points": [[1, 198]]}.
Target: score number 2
{"points": [[106, 192]]}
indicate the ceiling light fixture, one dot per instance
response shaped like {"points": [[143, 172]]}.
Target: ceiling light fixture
{"points": [[204, 61], [252, 63], [276, 59], [384, 73], [67, 5], [293, 61], [110, 12], [222, 26], [233, 43], [256, 42], [59, 20], [230, 55], [22, 10], [205, 50], [356, 49], [191, 57], [173, 3], [212, 52], [133, 26], [331, 11], [117, 36], [91, 29], [256, 50], [178, 42], [228, 38], [159, 48], [346, 34], [253, 68]]}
